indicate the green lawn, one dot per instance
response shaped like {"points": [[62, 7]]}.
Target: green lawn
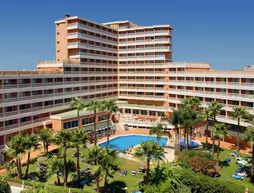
{"points": [[121, 181], [228, 171]]}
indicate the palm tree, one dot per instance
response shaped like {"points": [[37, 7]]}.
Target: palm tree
{"points": [[111, 107], [159, 131], [56, 167], [45, 135], [31, 143], [108, 165], [219, 132], [239, 113], [215, 108], [94, 106], [78, 139], [176, 121], [206, 114], [94, 157], [148, 150], [63, 139], [249, 137], [79, 104], [16, 148]]}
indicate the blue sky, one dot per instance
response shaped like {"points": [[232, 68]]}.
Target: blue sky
{"points": [[217, 31]]}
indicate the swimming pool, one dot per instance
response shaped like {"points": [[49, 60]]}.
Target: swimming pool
{"points": [[192, 143], [124, 142]]}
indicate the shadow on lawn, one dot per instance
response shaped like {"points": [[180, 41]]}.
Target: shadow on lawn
{"points": [[118, 186]]}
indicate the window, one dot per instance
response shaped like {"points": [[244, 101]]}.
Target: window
{"points": [[71, 124], [58, 51], [57, 33], [87, 121], [128, 111], [135, 111], [152, 113], [57, 42], [143, 112], [103, 117], [161, 114]]}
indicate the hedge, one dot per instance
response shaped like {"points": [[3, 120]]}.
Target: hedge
{"points": [[200, 183], [4, 187]]}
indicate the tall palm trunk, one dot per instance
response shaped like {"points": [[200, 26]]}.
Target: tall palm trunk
{"points": [[106, 183], [213, 146], [78, 118], [179, 140], [108, 131], [78, 167], [252, 170], [187, 141], [218, 153], [58, 179], [206, 134], [27, 164], [148, 169], [47, 147], [97, 184], [65, 167], [18, 168], [95, 134], [237, 137]]}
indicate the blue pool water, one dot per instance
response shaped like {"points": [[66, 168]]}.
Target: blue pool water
{"points": [[125, 142], [192, 144]]}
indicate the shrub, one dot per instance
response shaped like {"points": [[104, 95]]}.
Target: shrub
{"points": [[198, 161], [200, 183], [5, 187]]}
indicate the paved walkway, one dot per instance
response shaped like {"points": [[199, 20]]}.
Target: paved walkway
{"points": [[225, 145]]}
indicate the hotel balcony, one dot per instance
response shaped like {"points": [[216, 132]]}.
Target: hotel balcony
{"points": [[146, 42], [147, 49], [145, 34], [143, 81], [146, 57], [90, 29], [212, 94], [94, 56], [212, 84], [77, 35], [90, 47], [142, 97], [143, 89]]}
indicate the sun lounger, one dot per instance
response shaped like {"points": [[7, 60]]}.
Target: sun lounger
{"points": [[237, 177], [140, 170], [133, 172], [227, 160], [123, 172]]}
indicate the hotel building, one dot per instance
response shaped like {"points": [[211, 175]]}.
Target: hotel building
{"points": [[116, 60]]}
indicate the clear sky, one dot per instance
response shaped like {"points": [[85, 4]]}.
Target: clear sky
{"points": [[217, 31]]}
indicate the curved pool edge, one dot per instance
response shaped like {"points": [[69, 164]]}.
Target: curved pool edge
{"points": [[136, 135]]}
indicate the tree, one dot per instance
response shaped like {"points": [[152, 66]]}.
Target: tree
{"points": [[93, 158], [206, 114], [159, 131], [16, 148], [79, 104], [94, 106], [215, 108], [63, 139], [239, 113], [30, 144], [78, 139], [189, 120], [45, 135], [56, 167], [148, 150], [249, 137], [219, 132], [108, 165], [176, 121], [110, 107]]}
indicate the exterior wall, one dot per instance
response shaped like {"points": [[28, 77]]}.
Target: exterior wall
{"points": [[61, 41]]}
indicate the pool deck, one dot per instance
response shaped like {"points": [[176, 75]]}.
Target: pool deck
{"points": [[168, 150]]}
